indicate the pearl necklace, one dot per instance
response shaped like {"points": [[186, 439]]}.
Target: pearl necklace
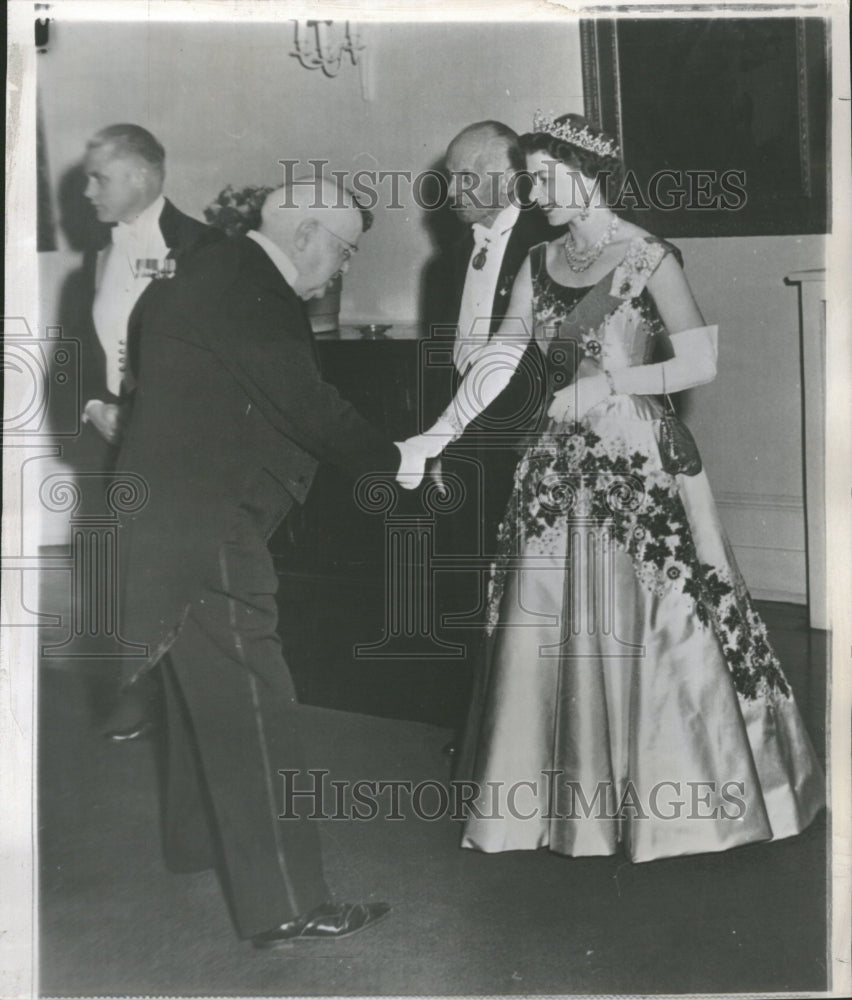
{"points": [[582, 260]]}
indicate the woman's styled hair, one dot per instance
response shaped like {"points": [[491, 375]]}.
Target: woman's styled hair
{"points": [[568, 139]]}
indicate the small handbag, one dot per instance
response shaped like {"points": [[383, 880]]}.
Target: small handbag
{"points": [[678, 451]]}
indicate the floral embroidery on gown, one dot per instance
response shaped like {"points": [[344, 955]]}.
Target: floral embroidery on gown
{"points": [[630, 695]]}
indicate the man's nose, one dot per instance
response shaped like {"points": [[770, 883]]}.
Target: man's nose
{"points": [[89, 191]]}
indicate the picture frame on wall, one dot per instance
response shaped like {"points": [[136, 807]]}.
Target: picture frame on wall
{"points": [[722, 122]]}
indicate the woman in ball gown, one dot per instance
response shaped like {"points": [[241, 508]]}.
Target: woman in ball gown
{"points": [[631, 697]]}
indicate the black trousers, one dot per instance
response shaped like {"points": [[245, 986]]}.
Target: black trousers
{"points": [[231, 726], [92, 460], [486, 475]]}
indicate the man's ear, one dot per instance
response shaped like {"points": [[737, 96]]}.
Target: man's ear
{"points": [[304, 233], [139, 176]]}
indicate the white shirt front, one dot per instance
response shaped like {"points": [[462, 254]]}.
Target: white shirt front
{"points": [[121, 283], [480, 286]]}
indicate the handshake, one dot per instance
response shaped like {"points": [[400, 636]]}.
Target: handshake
{"points": [[417, 451], [568, 405]]}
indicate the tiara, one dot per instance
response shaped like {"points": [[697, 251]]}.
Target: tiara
{"points": [[583, 137]]}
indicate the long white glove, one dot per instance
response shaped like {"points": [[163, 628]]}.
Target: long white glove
{"points": [[694, 363], [575, 400], [487, 377], [417, 450]]}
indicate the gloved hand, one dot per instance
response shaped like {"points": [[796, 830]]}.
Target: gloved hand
{"points": [[416, 450], [105, 418], [413, 456], [575, 400]]}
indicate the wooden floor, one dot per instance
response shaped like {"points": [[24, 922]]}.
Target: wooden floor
{"points": [[114, 922]]}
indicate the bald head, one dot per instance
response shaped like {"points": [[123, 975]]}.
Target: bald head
{"points": [[492, 143], [287, 207], [317, 224], [482, 160]]}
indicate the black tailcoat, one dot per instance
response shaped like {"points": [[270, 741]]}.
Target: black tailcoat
{"points": [[230, 415], [491, 441], [531, 228]]}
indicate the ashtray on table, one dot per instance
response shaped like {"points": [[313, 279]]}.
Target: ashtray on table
{"points": [[374, 331]]}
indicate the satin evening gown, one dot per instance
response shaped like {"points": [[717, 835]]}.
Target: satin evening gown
{"points": [[630, 695]]}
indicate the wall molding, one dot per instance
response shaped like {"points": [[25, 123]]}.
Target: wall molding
{"points": [[762, 501], [767, 533]]}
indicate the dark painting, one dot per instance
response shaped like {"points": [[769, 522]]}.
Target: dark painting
{"points": [[735, 109]]}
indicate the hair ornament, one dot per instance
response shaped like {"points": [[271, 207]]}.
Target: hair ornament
{"points": [[583, 138]]}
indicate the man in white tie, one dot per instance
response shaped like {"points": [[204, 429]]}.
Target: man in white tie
{"points": [[125, 171], [489, 192]]}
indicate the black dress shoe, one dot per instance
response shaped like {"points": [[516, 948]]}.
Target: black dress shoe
{"points": [[138, 731], [328, 921]]}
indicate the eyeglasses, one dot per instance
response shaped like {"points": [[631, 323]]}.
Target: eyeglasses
{"points": [[348, 248]]}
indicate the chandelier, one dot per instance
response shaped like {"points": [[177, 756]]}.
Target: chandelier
{"points": [[318, 46]]}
